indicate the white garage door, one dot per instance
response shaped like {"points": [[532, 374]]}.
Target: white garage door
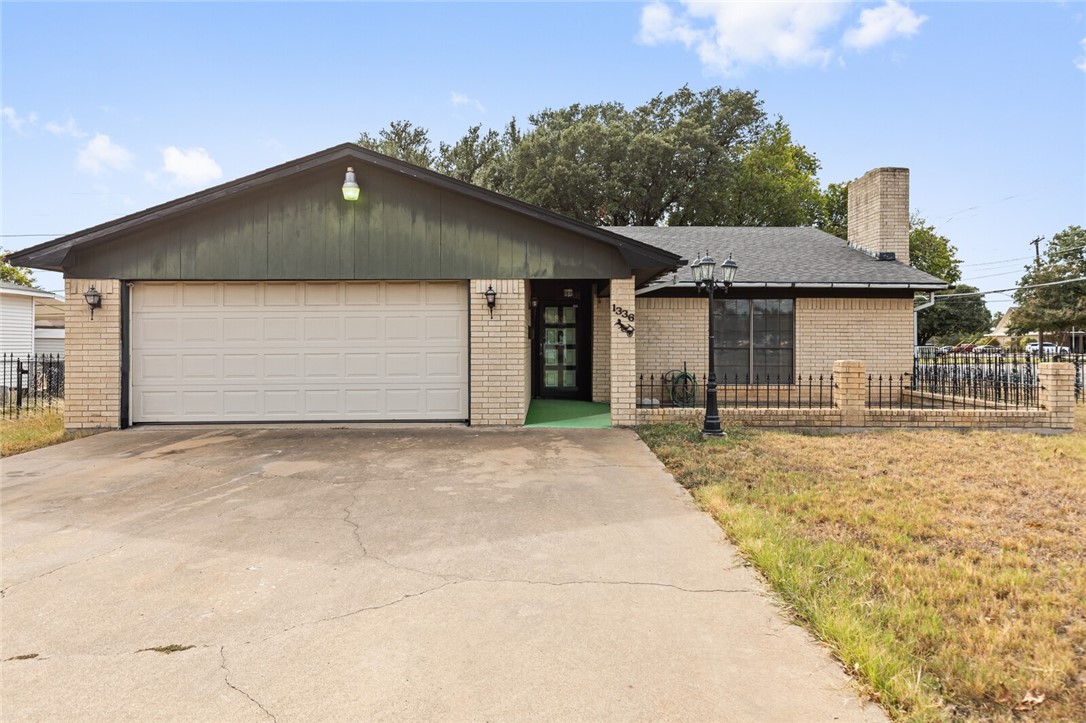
{"points": [[276, 351]]}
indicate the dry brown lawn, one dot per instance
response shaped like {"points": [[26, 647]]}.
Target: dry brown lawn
{"points": [[946, 569], [32, 430]]}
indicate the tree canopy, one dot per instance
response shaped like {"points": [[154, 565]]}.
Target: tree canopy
{"points": [[1059, 307], [14, 274], [932, 252], [712, 157], [952, 318]]}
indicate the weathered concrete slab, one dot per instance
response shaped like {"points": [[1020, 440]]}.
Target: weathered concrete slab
{"points": [[443, 573]]}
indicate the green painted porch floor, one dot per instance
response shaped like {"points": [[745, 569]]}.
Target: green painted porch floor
{"points": [[563, 413]]}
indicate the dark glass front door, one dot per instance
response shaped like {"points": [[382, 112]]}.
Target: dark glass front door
{"points": [[559, 353]]}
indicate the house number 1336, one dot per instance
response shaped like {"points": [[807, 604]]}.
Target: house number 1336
{"points": [[624, 313]]}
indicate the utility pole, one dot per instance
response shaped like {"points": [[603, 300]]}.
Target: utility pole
{"points": [[1037, 264]]}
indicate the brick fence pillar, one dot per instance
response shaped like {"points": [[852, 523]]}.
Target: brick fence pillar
{"points": [[1057, 396], [850, 391], [92, 356], [623, 354]]}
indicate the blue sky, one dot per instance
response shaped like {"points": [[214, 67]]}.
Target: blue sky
{"points": [[110, 108]]}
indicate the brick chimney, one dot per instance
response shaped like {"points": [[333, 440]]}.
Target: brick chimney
{"points": [[878, 213]]}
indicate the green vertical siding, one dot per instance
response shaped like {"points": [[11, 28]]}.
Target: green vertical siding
{"points": [[302, 228]]}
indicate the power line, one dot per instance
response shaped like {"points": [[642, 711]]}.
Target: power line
{"points": [[1013, 288]]}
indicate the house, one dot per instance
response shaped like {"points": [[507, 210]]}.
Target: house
{"points": [[273, 298], [27, 318]]}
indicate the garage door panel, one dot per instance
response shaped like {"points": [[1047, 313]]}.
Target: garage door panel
{"points": [[362, 293], [200, 367], [237, 329], [235, 295], [200, 295], [243, 404], [240, 351], [323, 328], [403, 293]]}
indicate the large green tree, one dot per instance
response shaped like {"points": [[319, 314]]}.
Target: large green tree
{"points": [[954, 317], [832, 216], [404, 140], [1060, 305], [14, 274], [932, 252], [686, 158]]}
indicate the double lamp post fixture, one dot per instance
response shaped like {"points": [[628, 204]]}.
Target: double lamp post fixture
{"points": [[704, 270]]}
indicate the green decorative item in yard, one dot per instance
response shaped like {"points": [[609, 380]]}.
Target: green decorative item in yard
{"points": [[683, 387]]}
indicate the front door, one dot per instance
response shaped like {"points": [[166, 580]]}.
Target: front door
{"points": [[560, 354]]}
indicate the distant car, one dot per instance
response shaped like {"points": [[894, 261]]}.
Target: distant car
{"points": [[962, 348], [944, 350], [1049, 349], [987, 350]]}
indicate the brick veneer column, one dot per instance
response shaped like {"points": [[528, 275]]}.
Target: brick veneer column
{"points": [[500, 354], [850, 391], [1058, 393], [601, 349], [623, 356], [92, 356]]}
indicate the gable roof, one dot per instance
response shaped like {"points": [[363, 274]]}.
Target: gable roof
{"points": [[783, 257], [51, 255]]}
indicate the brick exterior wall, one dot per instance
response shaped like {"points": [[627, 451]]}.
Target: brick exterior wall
{"points": [[500, 353], [878, 212], [623, 370], [671, 332], [92, 356], [601, 348], [878, 332]]}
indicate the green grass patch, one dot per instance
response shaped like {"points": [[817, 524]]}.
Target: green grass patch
{"points": [[32, 431], [946, 571]]}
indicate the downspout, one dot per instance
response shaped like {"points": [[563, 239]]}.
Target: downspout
{"points": [[916, 317]]}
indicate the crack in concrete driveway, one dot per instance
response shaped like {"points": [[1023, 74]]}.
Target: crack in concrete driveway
{"points": [[423, 574]]}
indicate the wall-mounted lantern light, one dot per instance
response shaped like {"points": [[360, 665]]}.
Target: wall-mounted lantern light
{"points": [[94, 299], [351, 191], [491, 298]]}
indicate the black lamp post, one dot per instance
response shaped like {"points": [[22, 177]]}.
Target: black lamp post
{"points": [[704, 270]]}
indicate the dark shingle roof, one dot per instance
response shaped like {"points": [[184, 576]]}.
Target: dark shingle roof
{"points": [[782, 256]]}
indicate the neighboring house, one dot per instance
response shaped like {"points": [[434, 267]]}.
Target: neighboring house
{"points": [[20, 307], [271, 298]]}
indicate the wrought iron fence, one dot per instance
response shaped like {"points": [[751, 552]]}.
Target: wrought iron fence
{"points": [[960, 381], [30, 382], [678, 389]]}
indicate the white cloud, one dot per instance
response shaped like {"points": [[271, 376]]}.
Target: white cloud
{"points": [[878, 25], [728, 35], [69, 129], [101, 153], [16, 121], [190, 167], [1080, 62], [459, 99]]}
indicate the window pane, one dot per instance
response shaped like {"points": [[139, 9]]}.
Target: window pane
{"points": [[550, 315], [570, 356], [550, 379], [569, 315]]}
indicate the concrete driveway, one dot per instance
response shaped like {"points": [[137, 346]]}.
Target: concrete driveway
{"points": [[358, 574]]}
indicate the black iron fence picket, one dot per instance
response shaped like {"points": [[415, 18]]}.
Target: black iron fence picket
{"points": [[679, 389], [30, 382], [960, 381]]}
